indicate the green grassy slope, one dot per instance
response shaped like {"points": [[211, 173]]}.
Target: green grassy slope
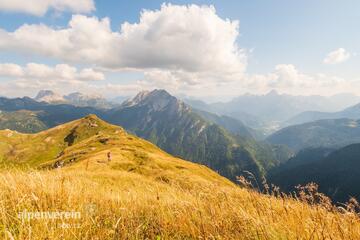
{"points": [[22, 121], [88, 140]]}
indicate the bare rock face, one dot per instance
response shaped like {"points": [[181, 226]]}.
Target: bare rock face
{"points": [[156, 100], [49, 97]]}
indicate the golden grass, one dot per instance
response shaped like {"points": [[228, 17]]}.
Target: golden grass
{"points": [[142, 193], [126, 205]]}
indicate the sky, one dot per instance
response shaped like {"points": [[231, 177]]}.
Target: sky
{"points": [[209, 50]]}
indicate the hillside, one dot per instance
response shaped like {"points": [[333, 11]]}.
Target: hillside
{"points": [[232, 125], [91, 138], [142, 193], [333, 133], [338, 174], [50, 115], [303, 157], [23, 121]]}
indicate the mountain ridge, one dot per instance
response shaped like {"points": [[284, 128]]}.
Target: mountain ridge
{"points": [[76, 98], [333, 133], [352, 112], [269, 112], [178, 129]]}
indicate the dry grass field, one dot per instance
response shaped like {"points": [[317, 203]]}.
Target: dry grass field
{"points": [[142, 193]]}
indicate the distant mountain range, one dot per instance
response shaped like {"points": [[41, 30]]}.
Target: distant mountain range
{"points": [[76, 98], [337, 173], [50, 115], [333, 133], [269, 111], [352, 112], [172, 125]]}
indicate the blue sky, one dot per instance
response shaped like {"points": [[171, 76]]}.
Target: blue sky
{"points": [[271, 33]]}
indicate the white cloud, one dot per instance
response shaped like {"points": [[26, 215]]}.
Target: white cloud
{"points": [[11, 70], [337, 56], [177, 47], [190, 38], [185, 38], [42, 72], [184, 49], [40, 7]]}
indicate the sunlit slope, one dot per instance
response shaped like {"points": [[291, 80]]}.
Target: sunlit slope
{"points": [[129, 205], [142, 193], [85, 144]]}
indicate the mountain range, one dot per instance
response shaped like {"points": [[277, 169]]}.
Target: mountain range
{"points": [[76, 98], [333, 133], [173, 126], [352, 112], [221, 143], [49, 115], [271, 111]]}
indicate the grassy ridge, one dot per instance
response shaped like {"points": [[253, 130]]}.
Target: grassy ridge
{"points": [[142, 193]]}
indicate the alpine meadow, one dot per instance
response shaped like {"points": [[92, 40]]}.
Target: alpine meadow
{"points": [[179, 120]]}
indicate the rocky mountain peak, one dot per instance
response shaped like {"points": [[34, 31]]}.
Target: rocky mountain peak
{"points": [[48, 96], [157, 100]]}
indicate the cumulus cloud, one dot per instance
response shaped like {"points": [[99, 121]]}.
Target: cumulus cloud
{"points": [[337, 56], [185, 49], [40, 7], [187, 38], [42, 72], [11, 70]]}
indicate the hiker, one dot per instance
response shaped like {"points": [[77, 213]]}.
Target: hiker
{"points": [[109, 156]]}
